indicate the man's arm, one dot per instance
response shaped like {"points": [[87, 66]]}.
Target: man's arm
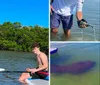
{"points": [[51, 8], [51, 1], [82, 23], [79, 15], [79, 7]]}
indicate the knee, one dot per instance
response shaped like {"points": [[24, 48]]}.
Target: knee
{"points": [[55, 30], [20, 80], [21, 77]]}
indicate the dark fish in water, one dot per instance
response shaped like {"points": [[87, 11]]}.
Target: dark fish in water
{"points": [[75, 68]]}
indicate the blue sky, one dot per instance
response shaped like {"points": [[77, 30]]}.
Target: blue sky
{"points": [[27, 12]]}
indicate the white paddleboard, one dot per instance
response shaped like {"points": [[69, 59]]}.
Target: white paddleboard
{"points": [[37, 82]]}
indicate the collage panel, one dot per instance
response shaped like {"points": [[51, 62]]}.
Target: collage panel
{"points": [[74, 42], [74, 20], [75, 63], [24, 42]]}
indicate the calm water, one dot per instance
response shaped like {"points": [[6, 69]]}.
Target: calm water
{"points": [[92, 15], [14, 61], [77, 52]]}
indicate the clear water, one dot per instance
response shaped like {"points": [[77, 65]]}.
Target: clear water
{"points": [[14, 61], [77, 52], [92, 15]]}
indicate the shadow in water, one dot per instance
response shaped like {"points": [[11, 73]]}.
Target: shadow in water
{"points": [[75, 68]]}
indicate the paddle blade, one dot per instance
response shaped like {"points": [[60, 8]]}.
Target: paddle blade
{"points": [[2, 69]]}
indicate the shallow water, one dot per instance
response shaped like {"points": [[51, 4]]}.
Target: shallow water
{"points": [[77, 52], [91, 14], [14, 61]]}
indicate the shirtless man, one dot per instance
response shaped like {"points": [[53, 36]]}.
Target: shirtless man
{"points": [[42, 65]]}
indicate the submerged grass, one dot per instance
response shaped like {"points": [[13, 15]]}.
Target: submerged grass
{"points": [[89, 78]]}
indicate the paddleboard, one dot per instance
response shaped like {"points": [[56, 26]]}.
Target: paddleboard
{"points": [[53, 50], [30, 81]]}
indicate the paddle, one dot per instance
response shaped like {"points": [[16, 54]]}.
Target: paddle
{"points": [[2, 70]]}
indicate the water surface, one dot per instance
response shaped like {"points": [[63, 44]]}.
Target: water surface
{"points": [[77, 52], [14, 61]]}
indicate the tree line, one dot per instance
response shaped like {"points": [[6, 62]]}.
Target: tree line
{"points": [[15, 37]]}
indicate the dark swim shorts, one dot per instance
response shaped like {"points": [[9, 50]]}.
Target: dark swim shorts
{"points": [[39, 75], [56, 19]]}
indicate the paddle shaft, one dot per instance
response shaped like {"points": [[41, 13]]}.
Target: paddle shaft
{"points": [[14, 72]]}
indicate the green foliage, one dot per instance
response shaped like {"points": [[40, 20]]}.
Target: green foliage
{"points": [[17, 38]]}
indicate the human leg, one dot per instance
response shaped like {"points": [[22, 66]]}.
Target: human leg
{"points": [[23, 77], [54, 23], [67, 32], [67, 23]]}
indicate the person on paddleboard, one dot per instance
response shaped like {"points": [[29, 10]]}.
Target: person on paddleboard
{"points": [[62, 11], [41, 71]]}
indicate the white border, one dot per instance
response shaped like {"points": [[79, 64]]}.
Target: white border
{"points": [[62, 42], [49, 40], [74, 41]]}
